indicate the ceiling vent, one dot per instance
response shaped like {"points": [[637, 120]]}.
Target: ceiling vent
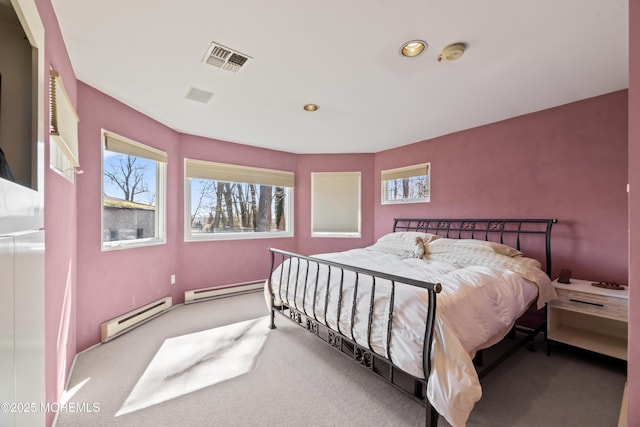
{"points": [[225, 58], [199, 95]]}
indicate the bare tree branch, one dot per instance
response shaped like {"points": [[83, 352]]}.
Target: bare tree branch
{"points": [[205, 195], [128, 176]]}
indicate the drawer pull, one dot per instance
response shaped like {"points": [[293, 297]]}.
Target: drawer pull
{"points": [[586, 302]]}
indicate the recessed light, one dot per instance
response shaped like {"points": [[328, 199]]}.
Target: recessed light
{"points": [[413, 48], [311, 107]]}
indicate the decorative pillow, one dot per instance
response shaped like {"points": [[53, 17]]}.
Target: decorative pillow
{"points": [[473, 245], [405, 244]]}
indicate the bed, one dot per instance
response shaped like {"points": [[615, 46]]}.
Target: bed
{"points": [[429, 297]]}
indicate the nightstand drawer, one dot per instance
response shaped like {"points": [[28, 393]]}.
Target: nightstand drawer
{"points": [[599, 305]]}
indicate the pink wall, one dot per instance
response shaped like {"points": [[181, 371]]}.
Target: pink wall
{"points": [[142, 274], [60, 232], [307, 164], [111, 283], [634, 214], [568, 163]]}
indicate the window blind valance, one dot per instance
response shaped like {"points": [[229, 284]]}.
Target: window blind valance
{"points": [[120, 144], [406, 172], [235, 173]]}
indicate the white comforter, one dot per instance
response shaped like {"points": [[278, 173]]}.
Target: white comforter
{"points": [[482, 296]]}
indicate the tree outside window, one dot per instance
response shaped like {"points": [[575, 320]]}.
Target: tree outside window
{"points": [[218, 206]]}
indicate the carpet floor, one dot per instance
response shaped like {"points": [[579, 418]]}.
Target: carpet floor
{"points": [[167, 372]]}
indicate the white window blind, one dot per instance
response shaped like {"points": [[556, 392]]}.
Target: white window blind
{"points": [[63, 128], [335, 203], [406, 172], [120, 144], [235, 173]]}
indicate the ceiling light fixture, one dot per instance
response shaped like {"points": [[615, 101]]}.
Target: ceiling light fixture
{"points": [[413, 48], [311, 107]]}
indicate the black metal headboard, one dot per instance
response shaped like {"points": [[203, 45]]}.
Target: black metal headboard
{"points": [[481, 229]]}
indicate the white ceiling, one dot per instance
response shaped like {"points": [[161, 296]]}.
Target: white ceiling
{"points": [[521, 57]]}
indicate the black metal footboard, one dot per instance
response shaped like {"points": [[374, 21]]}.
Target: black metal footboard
{"points": [[381, 365]]}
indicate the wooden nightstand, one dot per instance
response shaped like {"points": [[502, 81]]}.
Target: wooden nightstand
{"points": [[589, 317]]}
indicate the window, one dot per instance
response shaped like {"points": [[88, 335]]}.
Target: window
{"points": [[335, 204], [410, 184], [226, 201], [133, 193], [63, 130]]}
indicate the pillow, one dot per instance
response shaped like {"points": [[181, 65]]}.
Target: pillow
{"points": [[503, 249], [405, 244], [473, 245]]}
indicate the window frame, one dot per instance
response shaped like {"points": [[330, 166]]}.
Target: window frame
{"points": [[160, 225], [404, 172], [335, 175], [241, 170]]}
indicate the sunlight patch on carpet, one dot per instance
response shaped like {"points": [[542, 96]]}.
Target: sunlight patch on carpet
{"points": [[68, 394], [191, 362]]}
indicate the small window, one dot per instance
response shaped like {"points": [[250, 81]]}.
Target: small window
{"points": [[335, 204], [133, 193], [63, 130], [225, 201], [410, 184]]}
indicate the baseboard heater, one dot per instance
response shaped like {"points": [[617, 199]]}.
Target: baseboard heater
{"points": [[130, 320], [198, 295]]}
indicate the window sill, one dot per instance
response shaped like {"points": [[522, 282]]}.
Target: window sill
{"points": [[400, 202], [131, 244], [214, 237], [347, 235]]}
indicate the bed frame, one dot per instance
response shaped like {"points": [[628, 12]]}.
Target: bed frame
{"points": [[507, 231]]}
